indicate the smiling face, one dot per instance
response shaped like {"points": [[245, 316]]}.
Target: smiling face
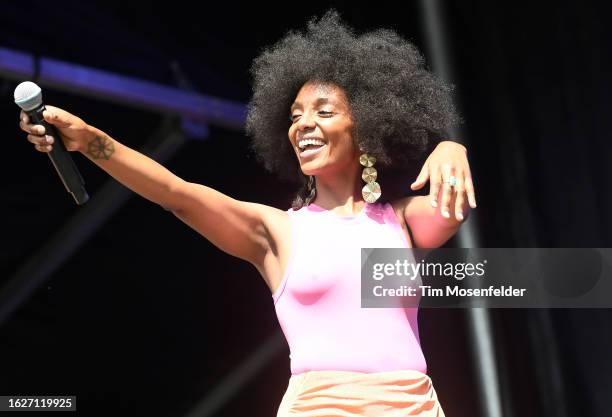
{"points": [[321, 131]]}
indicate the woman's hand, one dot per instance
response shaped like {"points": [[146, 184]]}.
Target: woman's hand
{"points": [[73, 131], [448, 164]]}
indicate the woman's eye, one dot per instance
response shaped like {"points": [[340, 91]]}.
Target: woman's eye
{"points": [[293, 117]]}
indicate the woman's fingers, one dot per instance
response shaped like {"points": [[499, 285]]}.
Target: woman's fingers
{"points": [[43, 148], [435, 181], [26, 126], [41, 143], [460, 199], [36, 134], [447, 190], [59, 117], [422, 178], [469, 188], [40, 140], [33, 129]]}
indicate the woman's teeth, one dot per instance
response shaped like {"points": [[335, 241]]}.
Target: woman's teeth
{"points": [[315, 142], [310, 150]]}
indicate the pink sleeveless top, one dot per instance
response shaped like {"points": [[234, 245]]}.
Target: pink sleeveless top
{"points": [[318, 303]]}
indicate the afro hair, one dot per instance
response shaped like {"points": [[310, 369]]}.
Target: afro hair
{"points": [[399, 108]]}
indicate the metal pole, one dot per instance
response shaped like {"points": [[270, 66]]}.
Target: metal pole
{"points": [[127, 91], [479, 320], [244, 372]]}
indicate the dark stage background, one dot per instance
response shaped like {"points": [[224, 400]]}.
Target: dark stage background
{"points": [[147, 316]]}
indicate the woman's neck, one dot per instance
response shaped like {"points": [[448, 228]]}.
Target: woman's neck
{"points": [[340, 193]]}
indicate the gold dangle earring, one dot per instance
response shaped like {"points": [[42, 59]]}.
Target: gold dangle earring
{"points": [[311, 186], [371, 191], [311, 189]]}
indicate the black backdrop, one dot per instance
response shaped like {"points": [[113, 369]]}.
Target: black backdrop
{"points": [[147, 316]]}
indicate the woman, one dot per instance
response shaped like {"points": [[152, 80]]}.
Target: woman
{"points": [[348, 104]]}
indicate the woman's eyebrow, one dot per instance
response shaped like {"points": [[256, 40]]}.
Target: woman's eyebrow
{"points": [[320, 100]]}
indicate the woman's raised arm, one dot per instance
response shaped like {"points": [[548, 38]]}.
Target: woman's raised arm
{"points": [[235, 227]]}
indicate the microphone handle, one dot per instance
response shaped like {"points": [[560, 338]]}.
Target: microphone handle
{"points": [[61, 159]]}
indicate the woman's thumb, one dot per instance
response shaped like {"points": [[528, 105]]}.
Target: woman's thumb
{"points": [[55, 118]]}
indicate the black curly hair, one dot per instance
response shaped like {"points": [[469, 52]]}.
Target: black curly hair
{"points": [[399, 108]]}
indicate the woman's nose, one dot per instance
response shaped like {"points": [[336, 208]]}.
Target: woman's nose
{"points": [[305, 122]]}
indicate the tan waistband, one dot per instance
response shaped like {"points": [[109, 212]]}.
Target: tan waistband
{"points": [[347, 393]]}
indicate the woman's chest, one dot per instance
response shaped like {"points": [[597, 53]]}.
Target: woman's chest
{"points": [[328, 260]]}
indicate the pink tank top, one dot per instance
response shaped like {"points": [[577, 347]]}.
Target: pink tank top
{"points": [[318, 303]]}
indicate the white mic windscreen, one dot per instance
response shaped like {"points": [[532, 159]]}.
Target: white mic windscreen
{"points": [[28, 95]]}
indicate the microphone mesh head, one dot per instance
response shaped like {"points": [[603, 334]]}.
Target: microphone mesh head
{"points": [[28, 95]]}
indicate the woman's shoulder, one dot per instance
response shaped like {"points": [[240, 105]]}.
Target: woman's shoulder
{"points": [[399, 204]]}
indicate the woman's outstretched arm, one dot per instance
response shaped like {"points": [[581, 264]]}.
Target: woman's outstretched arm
{"points": [[236, 227]]}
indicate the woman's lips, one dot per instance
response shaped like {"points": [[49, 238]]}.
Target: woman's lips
{"points": [[311, 152]]}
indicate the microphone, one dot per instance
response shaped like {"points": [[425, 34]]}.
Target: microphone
{"points": [[28, 96]]}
